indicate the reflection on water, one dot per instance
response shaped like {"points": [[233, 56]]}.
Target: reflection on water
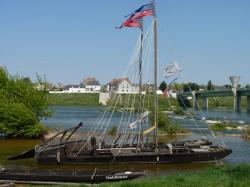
{"points": [[12, 147], [65, 117]]}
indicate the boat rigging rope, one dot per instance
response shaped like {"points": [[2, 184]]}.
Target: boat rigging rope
{"points": [[131, 113], [103, 122], [127, 107], [106, 117], [146, 58], [190, 116], [199, 108], [83, 144], [147, 44]]}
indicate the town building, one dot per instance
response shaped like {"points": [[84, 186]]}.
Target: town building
{"points": [[91, 85], [122, 85], [74, 89]]}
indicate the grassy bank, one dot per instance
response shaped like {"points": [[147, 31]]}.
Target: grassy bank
{"points": [[164, 103], [233, 176], [223, 126], [74, 99], [86, 99]]}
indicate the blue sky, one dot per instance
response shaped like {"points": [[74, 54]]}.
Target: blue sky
{"points": [[68, 40]]}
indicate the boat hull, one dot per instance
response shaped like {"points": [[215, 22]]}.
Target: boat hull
{"points": [[51, 157], [68, 176]]}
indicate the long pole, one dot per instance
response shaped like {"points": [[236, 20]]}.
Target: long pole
{"points": [[140, 85], [155, 83]]}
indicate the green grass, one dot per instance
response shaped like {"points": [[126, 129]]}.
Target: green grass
{"points": [[167, 126], [228, 176], [112, 131], [86, 99], [164, 103], [74, 99], [222, 126]]}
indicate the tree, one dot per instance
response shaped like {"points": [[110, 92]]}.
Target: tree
{"points": [[22, 106], [247, 86], [210, 85], [177, 86], [190, 87], [163, 86]]}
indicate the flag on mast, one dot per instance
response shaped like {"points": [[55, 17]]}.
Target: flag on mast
{"points": [[135, 18], [144, 10], [131, 23]]}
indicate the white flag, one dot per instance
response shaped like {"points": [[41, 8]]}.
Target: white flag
{"points": [[133, 125], [171, 69], [143, 116]]}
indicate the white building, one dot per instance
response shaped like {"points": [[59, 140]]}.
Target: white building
{"points": [[74, 89], [122, 85], [93, 88], [91, 85]]}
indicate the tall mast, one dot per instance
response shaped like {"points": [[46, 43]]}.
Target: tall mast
{"points": [[140, 84], [155, 80]]}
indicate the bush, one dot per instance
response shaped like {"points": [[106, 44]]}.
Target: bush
{"points": [[163, 120], [22, 106], [166, 126], [246, 132], [113, 131]]}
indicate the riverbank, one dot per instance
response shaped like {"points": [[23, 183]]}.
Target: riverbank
{"points": [[87, 99], [165, 103], [73, 99], [230, 175]]}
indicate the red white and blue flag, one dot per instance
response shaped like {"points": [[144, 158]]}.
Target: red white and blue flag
{"points": [[131, 23], [135, 18], [144, 10]]}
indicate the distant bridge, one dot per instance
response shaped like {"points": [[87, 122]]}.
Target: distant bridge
{"points": [[204, 95]]}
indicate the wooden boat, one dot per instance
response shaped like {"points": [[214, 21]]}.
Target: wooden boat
{"points": [[176, 152], [95, 176]]}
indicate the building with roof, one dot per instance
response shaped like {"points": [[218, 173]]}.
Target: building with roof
{"points": [[91, 85], [74, 89], [122, 85]]}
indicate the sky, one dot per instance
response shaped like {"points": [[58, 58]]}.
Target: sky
{"points": [[69, 40]]}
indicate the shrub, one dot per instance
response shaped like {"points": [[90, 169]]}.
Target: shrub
{"points": [[22, 106], [113, 131]]}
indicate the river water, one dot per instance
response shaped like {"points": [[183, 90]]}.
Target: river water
{"points": [[66, 117]]}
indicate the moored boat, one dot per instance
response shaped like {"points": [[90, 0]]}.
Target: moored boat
{"points": [[95, 176]]}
